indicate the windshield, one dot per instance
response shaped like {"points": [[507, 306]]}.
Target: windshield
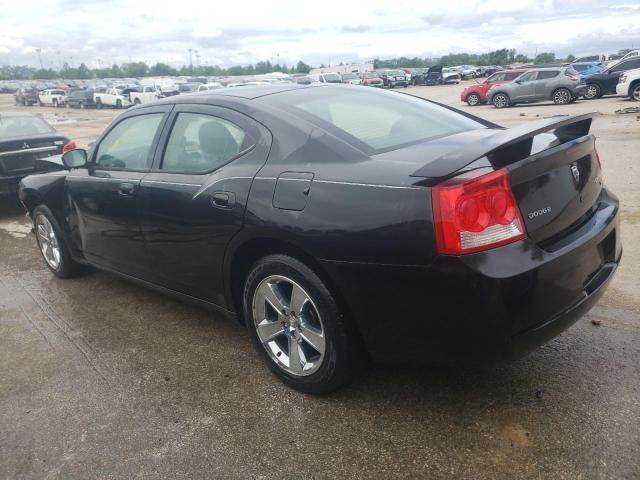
{"points": [[332, 77], [373, 122], [23, 126]]}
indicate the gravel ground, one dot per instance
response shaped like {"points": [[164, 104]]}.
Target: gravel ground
{"points": [[100, 378]]}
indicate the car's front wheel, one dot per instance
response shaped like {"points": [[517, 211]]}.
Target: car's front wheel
{"points": [[635, 92], [500, 100], [473, 99], [592, 92], [298, 327], [562, 96], [52, 245]]}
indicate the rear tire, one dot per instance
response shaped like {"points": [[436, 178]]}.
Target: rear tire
{"points": [[52, 245], [473, 99], [118, 104], [593, 91], [277, 286], [137, 101], [55, 103], [500, 100], [561, 96], [98, 103]]}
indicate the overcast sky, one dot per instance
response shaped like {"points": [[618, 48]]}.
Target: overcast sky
{"points": [[232, 32]]}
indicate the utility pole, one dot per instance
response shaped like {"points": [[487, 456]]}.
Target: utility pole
{"points": [[40, 57], [190, 60]]}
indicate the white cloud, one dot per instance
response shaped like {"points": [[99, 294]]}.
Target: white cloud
{"points": [[317, 32]]}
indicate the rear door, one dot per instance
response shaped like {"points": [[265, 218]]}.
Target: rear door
{"points": [[104, 197], [545, 84], [193, 201]]}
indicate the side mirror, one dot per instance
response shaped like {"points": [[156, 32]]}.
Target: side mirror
{"points": [[75, 158], [518, 81]]}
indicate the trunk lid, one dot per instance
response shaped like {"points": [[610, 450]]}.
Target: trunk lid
{"points": [[18, 156], [554, 172]]}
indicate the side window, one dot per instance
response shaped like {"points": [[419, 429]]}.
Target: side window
{"points": [[129, 144], [546, 75], [499, 77], [200, 143], [527, 77], [632, 64], [511, 76], [580, 68]]}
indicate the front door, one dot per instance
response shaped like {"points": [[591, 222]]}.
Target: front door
{"points": [[103, 198], [193, 201], [526, 90]]}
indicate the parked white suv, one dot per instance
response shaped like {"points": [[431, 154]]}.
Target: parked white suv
{"points": [[52, 97], [113, 97], [148, 94], [629, 84]]}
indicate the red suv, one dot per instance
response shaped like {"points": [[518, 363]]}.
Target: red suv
{"points": [[371, 79], [477, 93]]}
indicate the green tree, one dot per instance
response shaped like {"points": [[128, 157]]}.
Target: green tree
{"points": [[162, 69], [570, 58], [545, 57], [302, 67]]}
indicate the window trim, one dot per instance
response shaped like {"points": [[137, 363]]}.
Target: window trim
{"points": [[92, 164], [171, 124]]}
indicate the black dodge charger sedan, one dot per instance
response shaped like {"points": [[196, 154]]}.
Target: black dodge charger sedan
{"points": [[340, 223]]}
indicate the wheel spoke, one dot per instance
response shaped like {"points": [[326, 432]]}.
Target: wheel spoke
{"points": [[268, 330], [269, 292], [295, 356], [313, 337], [298, 299]]}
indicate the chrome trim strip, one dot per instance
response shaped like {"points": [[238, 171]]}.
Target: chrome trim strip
{"points": [[366, 185], [28, 150]]}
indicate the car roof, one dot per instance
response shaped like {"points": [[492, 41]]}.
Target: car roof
{"points": [[248, 92]]}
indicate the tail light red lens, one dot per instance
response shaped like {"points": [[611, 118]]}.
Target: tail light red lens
{"points": [[574, 77], [475, 213], [69, 146]]}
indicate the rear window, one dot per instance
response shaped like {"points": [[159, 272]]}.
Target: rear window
{"points": [[570, 71], [544, 75], [374, 122], [332, 77], [22, 126]]}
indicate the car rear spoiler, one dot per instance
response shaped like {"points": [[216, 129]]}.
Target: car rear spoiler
{"points": [[507, 145]]}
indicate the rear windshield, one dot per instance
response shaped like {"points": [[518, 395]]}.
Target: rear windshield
{"points": [[373, 121], [22, 126], [331, 77]]}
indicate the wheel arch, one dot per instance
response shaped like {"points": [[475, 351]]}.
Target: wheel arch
{"points": [[633, 85]]}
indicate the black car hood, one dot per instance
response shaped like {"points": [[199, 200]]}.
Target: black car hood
{"points": [[435, 69]]}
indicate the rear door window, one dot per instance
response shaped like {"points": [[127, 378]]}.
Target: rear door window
{"points": [[527, 77], [547, 74]]}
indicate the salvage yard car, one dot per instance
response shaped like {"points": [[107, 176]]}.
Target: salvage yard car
{"points": [[52, 97], [629, 84], [476, 94], [24, 138], [340, 223], [145, 94], [27, 96], [562, 85], [605, 82], [80, 98], [113, 97]]}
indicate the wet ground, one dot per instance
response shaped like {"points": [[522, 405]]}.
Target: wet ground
{"points": [[100, 378]]}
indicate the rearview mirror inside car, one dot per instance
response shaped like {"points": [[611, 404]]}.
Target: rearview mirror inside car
{"points": [[75, 158]]}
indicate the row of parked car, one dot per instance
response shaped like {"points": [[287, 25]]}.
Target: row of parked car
{"points": [[389, 78], [99, 97], [560, 83]]}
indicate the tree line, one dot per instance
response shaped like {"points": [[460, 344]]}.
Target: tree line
{"points": [[141, 69]]}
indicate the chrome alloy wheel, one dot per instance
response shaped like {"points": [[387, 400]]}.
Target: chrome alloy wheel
{"points": [[562, 97], [591, 93], [48, 242], [289, 326]]}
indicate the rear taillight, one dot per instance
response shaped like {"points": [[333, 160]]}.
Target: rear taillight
{"points": [[574, 77], [69, 146], [476, 213]]}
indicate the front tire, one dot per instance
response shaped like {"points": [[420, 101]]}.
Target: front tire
{"points": [[52, 245], [55, 103], [297, 326], [473, 99], [635, 92], [500, 100], [593, 91], [98, 103], [561, 96]]}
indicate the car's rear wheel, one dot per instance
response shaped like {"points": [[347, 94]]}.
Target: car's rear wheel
{"points": [[137, 102], [635, 92], [82, 106], [55, 103], [98, 103], [561, 96], [52, 246], [473, 99], [298, 327], [500, 100], [118, 103], [593, 91]]}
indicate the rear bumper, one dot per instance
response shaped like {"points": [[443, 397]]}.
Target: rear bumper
{"points": [[9, 185], [490, 306]]}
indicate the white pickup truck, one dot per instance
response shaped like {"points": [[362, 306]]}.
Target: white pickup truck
{"points": [[52, 97], [113, 97], [149, 93]]}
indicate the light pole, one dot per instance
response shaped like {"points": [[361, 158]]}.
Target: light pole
{"points": [[190, 60], [39, 57]]}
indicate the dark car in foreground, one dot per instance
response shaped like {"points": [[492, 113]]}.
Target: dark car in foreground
{"points": [[562, 85], [339, 223], [24, 139]]}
